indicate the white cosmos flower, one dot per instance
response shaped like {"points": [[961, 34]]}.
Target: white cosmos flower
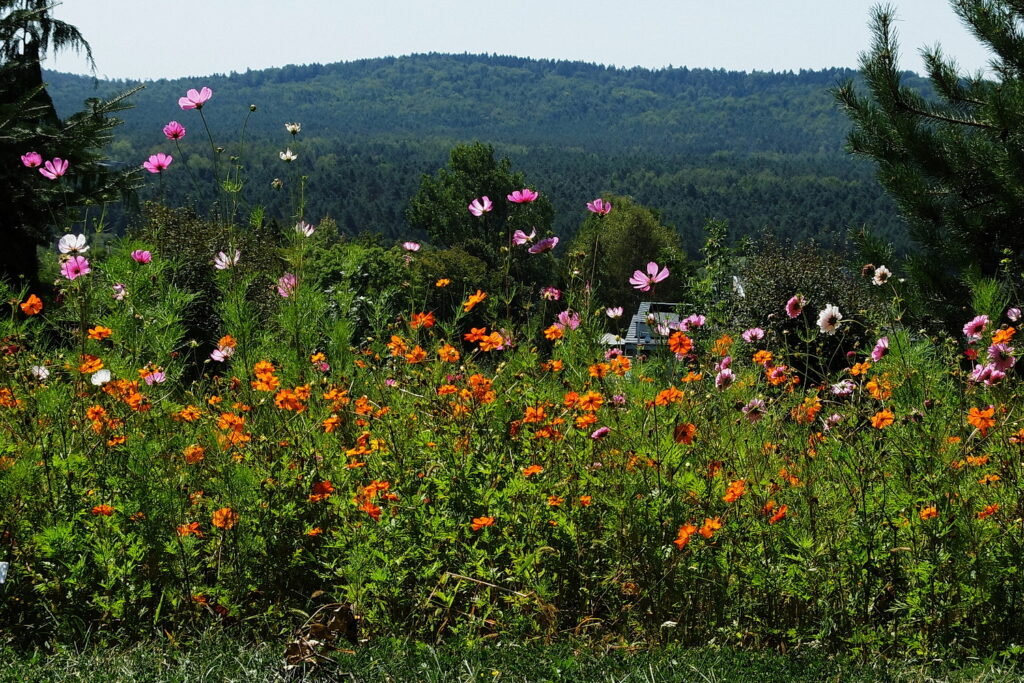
{"points": [[100, 377], [288, 155], [222, 261], [304, 228], [72, 244], [293, 128], [882, 275], [828, 319], [39, 372]]}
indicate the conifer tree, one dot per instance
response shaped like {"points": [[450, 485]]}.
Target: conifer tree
{"points": [[952, 159], [34, 205]]}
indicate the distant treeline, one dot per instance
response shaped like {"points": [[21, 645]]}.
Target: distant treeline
{"points": [[760, 150]]}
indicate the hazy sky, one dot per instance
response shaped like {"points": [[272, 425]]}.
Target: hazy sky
{"points": [[149, 39]]}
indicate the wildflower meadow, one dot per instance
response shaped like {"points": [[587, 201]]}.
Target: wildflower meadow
{"points": [[233, 420]]}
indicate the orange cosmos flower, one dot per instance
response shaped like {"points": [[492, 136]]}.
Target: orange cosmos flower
{"points": [[584, 421], [532, 470], [417, 355], [982, 419], [315, 531], [571, 400], [989, 479], [32, 305], [882, 419], [685, 532], [331, 423], [679, 343], [590, 402], [194, 454], [191, 529], [473, 300], [684, 433], [722, 345], [806, 411], [930, 512], [710, 526], [860, 368], [225, 518], [621, 365], [1003, 336], [585, 501], [534, 414], [397, 345], [668, 396], [424, 320], [104, 510], [187, 414], [480, 522], [735, 491], [90, 364], [779, 515], [322, 490], [880, 388], [555, 501], [763, 357], [475, 334], [99, 333], [443, 282], [552, 366], [448, 354], [227, 341], [599, 370], [492, 342], [554, 332], [692, 376], [988, 511]]}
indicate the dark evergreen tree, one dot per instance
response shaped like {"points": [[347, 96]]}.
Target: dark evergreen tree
{"points": [[29, 123], [953, 160]]}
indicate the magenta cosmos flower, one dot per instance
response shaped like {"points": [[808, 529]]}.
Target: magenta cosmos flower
{"points": [[795, 305], [141, 256], [520, 238], [74, 267], [174, 131], [54, 168], [644, 281], [158, 163], [480, 206], [546, 244], [411, 246], [976, 327], [286, 285], [881, 348], [551, 294], [195, 99], [600, 433], [32, 159], [523, 196], [599, 206]]}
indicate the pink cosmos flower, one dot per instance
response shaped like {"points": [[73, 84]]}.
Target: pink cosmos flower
{"points": [[158, 163], [843, 388], [599, 206], [752, 335], [644, 281], [174, 131], [619, 400], [546, 244], [520, 238], [795, 305], [480, 206], [32, 159], [989, 374], [614, 312], [157, 377], [195, 99], [569, 319], [881, 348], [1001, 356], [613, 352], [120, 291], [523, 196], [974, 329], [832, 420], [724, 378], [754, 410], [74, 267], [222, 261], [411, 246], [551, 294], [286, 285], [600, 433], [222, 353], [693, 320], [1013, 314], [54, 168], [141, 256]]}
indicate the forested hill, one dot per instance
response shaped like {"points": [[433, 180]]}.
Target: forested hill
{"points": [[757, 149]]}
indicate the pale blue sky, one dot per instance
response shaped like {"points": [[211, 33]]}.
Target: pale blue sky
{"points": [[150, 39]]}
